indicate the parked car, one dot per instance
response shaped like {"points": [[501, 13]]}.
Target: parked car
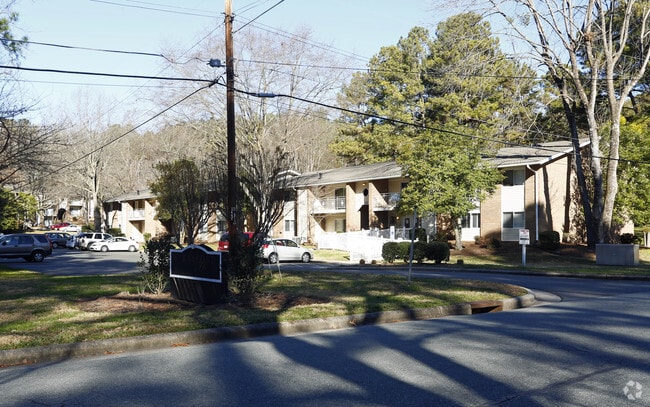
{"points": [[73, 241], [59, 225], [114, 244], [58, 239], [71, 228], [31, 247], [275, 250], [66, 227], [85, 239], [224, 242]]}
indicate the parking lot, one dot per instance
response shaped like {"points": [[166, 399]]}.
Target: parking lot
{"points": [[66, 262]]}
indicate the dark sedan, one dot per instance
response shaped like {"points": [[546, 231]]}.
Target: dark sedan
{"points": [[58, 239]]}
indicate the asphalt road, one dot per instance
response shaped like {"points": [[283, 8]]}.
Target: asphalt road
{"points": [[66, 262], [592, 348]]}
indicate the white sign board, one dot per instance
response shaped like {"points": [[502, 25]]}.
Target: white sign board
{"points": [[524, 236]]}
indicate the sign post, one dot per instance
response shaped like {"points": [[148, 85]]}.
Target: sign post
{"points": [[524, 239]]}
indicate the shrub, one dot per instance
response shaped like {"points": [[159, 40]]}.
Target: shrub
{"points": [[419, 251], [421, 234], [440, 236], [630, 238], [389, 252], [487, 242], [245, 268], [404, 251], [438, 252], [549, 240], [494, 243], [154, 264], [115, 232]]}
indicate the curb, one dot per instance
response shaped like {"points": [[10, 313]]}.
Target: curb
{"points": [[523, 272], [54, 353]]}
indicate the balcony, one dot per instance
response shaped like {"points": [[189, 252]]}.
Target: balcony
{"points": [[385, 201], [137, 214], [329, 205]]}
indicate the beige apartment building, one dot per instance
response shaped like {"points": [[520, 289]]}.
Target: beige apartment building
{"points": [[538, 193]]}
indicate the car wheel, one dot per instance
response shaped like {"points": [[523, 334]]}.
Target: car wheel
{"points": [[306, 257], [104, 248], [38, 257], [132, 248], [273, 258]]}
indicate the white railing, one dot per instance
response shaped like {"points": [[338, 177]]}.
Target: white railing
{"points": [[386, 200], [323, 205], [137, 214], [364, 244]]}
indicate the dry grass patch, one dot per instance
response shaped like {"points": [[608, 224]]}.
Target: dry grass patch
{"points": [[38, 310]]}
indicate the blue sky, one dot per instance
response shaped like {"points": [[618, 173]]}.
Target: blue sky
{"points": [[361, 27]]}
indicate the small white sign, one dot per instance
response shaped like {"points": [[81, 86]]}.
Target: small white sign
{"points": [[524, 236]]}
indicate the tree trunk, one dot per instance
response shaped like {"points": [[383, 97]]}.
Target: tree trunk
{"points": [[612, 178], [590, 224], [458, 230]]}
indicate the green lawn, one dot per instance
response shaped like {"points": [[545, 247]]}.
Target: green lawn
{"points": [[568, 259], [39, 310]]}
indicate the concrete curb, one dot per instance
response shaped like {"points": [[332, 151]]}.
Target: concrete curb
{"points": [[54, 353], [522, 272]]}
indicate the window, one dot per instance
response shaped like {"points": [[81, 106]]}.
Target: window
{"points": [[339, 225], [339, 198], [471, 220], [513, 220], [222, 225], [289, 225], [514, 177]]}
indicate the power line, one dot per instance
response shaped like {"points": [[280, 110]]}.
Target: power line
{"points": [[114, 51], [111, 75], [260, 15], [411, 124], [133, 128], [148, 6]]}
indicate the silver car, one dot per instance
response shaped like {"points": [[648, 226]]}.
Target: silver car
{"points": [[31, 247], [275, 250]]}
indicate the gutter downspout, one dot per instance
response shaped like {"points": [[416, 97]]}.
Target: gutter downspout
{"points": [[536, 204]]}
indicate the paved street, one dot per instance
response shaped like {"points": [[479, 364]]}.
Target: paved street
{"points": [[590, 349], [66, 262]]}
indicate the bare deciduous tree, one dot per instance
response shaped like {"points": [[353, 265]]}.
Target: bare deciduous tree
{"points": [[583, 46]]}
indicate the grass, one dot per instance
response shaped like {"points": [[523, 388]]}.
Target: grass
{"points": [[40, 310], [568, 259]]}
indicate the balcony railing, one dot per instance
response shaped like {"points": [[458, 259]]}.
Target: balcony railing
{"points": [[386, 201], [329, 205], [137, 214]]}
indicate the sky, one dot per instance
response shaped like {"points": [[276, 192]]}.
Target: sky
{"points": [[359, 27]]}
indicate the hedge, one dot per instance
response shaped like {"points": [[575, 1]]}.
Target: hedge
{"points": [[436, 251]]}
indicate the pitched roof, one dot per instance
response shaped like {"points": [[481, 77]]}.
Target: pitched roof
{"points": [[506, 157], [538, 154], [133, 196], [345, 175]]}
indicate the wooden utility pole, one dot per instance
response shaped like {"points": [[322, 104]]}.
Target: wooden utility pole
{"points": [[230, 127]]}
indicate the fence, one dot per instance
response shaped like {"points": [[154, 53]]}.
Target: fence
{"points": [[362, 245]]}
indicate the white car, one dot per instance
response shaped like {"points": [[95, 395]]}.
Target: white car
{"points": [[71, 228], [275, 250], [114, 244]]}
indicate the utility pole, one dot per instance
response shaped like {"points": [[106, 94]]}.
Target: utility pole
{"points": [[230, 127]]}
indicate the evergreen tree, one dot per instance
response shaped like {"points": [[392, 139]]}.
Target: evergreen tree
{"points": [[439, 107]]}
